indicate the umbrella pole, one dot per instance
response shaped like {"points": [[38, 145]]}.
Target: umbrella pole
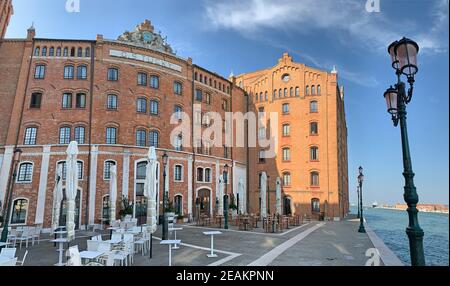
{"points": [[151, 246]]}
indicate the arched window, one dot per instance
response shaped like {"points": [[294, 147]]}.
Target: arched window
{"points": [[178, 110], [39, 72], [261, 97], [286, 108], [51, 52], [280, 93], [141, 105], [80, 100], [107, 169], [285, 92], [274, 94], [66, 52], [286, 154], [319, 90], [44, 51], [58, 52], [178, 173], [154, 107], [67, 100], [307, 90], [69, 72], [196, 76], [80, 52], [113, 74], [314, 128], [314, 153], [30, 136], [314, 106], [287, 180], [72, 52], [313, 90], [178, 144], [297, 91], [37, 51], [154, 81], [177, 88], [19, 211], [286, 130], [25, 173], [88, 52], [142, 79], [80, 133], [314, 179], [207, 175], [63, 169], [105, 207], [315, 205], [291, 92], [141, 138], [64, 135], [82, 72], [266, 96], [199, 174], [153, 139]]}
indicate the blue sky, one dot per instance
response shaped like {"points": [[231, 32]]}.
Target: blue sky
{"points": [[242, 36]]}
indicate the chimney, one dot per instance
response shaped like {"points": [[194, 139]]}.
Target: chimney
{"points": [[31, 33]]}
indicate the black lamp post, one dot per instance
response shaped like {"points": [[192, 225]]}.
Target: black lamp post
{"points": [[361, 218], [225, 179], [165, 229], [268, 194], [359, 209], [404, 60], [6, 217]]}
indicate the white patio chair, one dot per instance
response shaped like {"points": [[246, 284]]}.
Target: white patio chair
{"points": [[74, 256], [142, 243], [12, 237], [21, 262], [37, 234], [11, 262], [26, 235], [8, 252]]}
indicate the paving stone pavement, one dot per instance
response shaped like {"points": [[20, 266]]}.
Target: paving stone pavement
{"points": [[313, 244]]}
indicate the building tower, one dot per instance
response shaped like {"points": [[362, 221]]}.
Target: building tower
{"points": [[6, 10]]}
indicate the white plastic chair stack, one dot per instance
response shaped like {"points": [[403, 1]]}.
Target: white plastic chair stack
{"points": [[74, 256]]}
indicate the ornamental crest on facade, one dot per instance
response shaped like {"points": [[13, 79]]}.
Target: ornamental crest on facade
{"points": [[145, 35]]}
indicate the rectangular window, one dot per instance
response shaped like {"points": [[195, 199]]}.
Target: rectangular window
{"points": [[107, 170], [287, 154], [25, 173], [314, 128], [39, 72], [314, 107], [111, 135], [113, 74], [286, 108], [198, 95], [262, 157], [314, 154], [68, 72], [225, 152], [81, 72], [142, 79], [153, 139], [64, 135], [141, 138], [80, 101], [80, 170], [286, 130], [225, 105], [208, 98], [67, 100], [112, 102], [30, 136], [36, 98], [178, 174], [80, 135]]}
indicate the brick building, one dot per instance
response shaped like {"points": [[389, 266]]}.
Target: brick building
{"points": [[116, 98]]}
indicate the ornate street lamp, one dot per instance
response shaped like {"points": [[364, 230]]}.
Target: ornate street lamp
{"points": [[404, 60], [225, 179], [165, 230], [12, 181], [359, 209], [361, 218]]}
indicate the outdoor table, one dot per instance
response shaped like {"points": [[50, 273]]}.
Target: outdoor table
{"points": [[114, 241], [170, 243], [91, 255], [175, 231], [59, 233], [212, 233], [2, 244], [61, 242]]}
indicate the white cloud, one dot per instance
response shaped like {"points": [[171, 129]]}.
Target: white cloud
{"points": [[347, 18]]}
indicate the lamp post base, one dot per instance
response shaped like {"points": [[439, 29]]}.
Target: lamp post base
{"points": [[362, 229]]}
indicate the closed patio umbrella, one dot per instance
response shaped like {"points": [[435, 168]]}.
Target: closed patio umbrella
{"points": [[71, 188], [264, 195], [278, 194], [150, 192], [241, 192], [112, 193], [57, 199], [220, 195]]}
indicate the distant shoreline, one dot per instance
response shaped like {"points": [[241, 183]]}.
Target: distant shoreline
{"points": [[422, 211]]}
